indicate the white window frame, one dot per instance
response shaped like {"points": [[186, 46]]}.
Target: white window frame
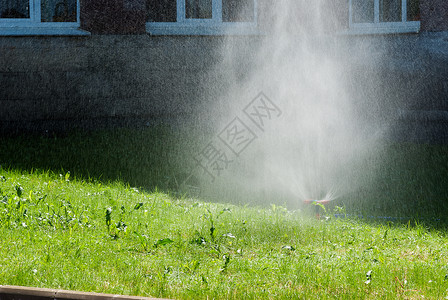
{"points": [[378, 27], [213, 26], [34, 26]]}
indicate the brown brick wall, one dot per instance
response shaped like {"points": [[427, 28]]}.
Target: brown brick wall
{"points": [[129, 16], [113, 16], [45, 79], [434, 15]]}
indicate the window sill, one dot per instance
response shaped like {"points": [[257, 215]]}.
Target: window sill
{"points": [[383, 28], [201, 29], [33, 31]]}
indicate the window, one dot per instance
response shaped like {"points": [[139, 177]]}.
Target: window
{"points": [[201, 17], [29, 17], [384, 16]]}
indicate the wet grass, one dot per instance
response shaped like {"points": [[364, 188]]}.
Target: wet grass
{"points": [[145, 158], [403, 180], [71, 218], [61, 232], [395, 179]]}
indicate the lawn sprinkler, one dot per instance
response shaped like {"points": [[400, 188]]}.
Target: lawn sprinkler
{"points": [[316, 204]]}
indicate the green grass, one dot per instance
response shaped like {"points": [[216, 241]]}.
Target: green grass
{"points": [[61, 232], [139, 157], [399, 180], [71, 219], [403, 180]]}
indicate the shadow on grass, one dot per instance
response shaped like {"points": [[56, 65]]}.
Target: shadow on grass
{"points": [[148, 158], [399, 183], [403, 181]]}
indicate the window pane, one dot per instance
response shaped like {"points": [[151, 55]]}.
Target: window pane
{"points": [[162, 10], [390, 10], [14, 9], [238, 10], [363, 11], [413, 10], [198, 9], [58, 10]]}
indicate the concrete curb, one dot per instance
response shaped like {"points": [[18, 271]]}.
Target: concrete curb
{"points": [[10, 292]]}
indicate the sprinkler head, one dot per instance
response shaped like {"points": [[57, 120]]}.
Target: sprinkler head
{"points": [[323, 201]]}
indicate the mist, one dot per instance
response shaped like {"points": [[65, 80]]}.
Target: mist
{"points": [[286, 128]]}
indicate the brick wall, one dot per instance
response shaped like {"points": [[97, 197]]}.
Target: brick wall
{"points": [[129, 16], [113, 16], [434, 15], [64, 82]]}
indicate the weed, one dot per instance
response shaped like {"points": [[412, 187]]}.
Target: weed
{"points": [[163, 242], [226, 258], [108, 218], [144, 241]]}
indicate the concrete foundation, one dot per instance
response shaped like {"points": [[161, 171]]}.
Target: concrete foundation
{"points": [[61, 83]]}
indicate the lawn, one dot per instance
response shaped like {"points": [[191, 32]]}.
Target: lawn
{"points": [[100, 212], [393, 179], [61, 232]]}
